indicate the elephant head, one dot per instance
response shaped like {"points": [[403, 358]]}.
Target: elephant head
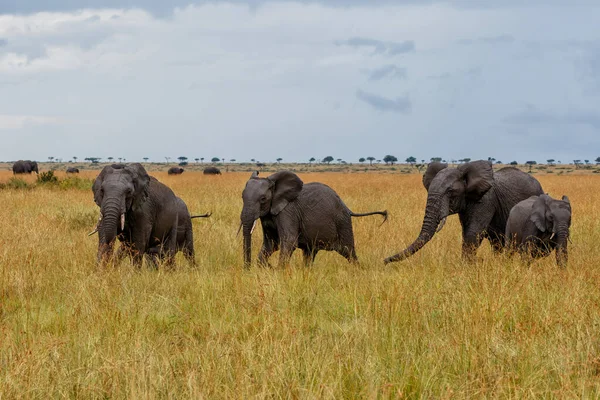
{"points": [[449, 191], [34, 167], [553, 217], [117, 189], [266, 196]]}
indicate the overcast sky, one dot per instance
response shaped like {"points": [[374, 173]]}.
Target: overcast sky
{"points": [[514, 80]]}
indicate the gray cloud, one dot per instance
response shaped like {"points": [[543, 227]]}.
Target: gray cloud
{"points": [[165, 7], [378, 46], [387, 72], [398, 105], [501, 39], [533, 116]]}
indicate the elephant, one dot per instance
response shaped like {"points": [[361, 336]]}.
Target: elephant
{"points": [[538, 225], [25, 167], [175, 171], [185, 233], [72, 170], [293, 215], [138, 209], [481, 197], [212, 171]]}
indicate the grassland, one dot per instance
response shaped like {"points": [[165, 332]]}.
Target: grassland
{"points": [[430, 327]]}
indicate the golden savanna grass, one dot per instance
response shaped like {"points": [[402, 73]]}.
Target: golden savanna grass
{"points": [[430, 326]]}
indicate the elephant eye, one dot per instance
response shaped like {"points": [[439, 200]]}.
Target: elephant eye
{"points": [[263, 199]]}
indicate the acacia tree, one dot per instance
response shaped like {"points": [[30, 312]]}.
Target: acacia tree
{"points": [[110, 159], [145, 159], [550, 161], [371, 159], [312, 159], [215, 159], [389, 159], [411, 160], [361, 160], [279, 160], [328, 159]]}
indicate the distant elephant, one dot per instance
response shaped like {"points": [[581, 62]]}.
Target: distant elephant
{"points": [[25, 167], [185, 233], [539, 225], [212, 171], [175, 171], [138, 209], [481, 198], [293, 215], [72, 170]]}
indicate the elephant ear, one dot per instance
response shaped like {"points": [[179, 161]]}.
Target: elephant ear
{"points": [[432, 170], [538, 212], [97, 186], [141, 181], [287, 186], [479, 178], [566, 200]]}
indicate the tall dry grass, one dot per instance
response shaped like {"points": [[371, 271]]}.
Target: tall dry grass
{"points": [[431, 326]]}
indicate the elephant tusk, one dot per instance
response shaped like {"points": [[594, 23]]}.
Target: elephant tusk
{"points": [[552, 237], [253, 226], [123, 221], [441, 224], [97, 225]]}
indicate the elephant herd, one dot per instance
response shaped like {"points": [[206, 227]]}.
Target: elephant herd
{"points": [[508, 207]]}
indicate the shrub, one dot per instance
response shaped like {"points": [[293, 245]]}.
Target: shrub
{"points": [[47, 178], [15, 183]]}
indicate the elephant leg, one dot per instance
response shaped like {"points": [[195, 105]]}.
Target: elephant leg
{"points": [[170, 248], [188, 247], [474, 231], [309, 256], [471, 243], [268, 248], [349, 253]]}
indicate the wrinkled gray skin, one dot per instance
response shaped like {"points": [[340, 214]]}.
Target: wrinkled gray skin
{"points": [[175, 171], [293, 215], [481, 197], [25, 167], [72, 170], [185, 233], [539, 225], [148, 209], [212, 171]]}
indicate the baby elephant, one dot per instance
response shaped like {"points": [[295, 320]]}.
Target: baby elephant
{"points": [[293, 215], [538, 225]]}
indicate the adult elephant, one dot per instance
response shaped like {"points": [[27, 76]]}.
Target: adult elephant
{"points": [[481, 198], [25, 167], [138, 209], [72, 170], [175, 171], [212, 171]]}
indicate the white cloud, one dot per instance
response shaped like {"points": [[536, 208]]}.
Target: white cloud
{"points": [[241, 82]]}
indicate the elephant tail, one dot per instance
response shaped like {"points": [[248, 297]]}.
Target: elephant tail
{"points": [[384, 213], [208, 214]]}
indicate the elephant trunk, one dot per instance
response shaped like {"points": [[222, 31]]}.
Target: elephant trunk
{"points": [[436, 212], [112, 218], [562, 254], [248, 223]]}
